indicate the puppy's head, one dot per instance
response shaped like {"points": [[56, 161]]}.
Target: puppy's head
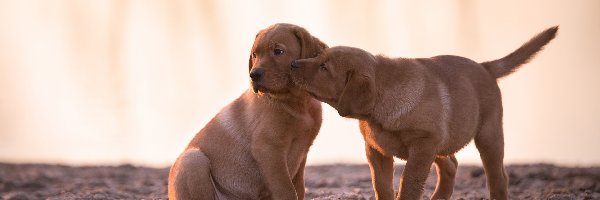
{"points": [[341, 77], [274, 50]]}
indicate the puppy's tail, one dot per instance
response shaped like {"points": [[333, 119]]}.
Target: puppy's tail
{"points": [[510, 63]]}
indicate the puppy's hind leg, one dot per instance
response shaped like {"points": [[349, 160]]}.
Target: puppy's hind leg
{"points": [[490, 143], [446, 171], [189, 177]]}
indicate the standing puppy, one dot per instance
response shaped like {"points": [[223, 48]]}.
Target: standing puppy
{"points": [[256, 147], [422, 110]]}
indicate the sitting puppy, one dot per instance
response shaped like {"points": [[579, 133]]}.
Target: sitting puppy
{"points": [[422, 110], [255, 148]]}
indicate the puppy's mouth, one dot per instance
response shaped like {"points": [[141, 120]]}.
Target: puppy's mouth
{"points": [[320, 98], [303, 85], [260, 88], [256, 87]]}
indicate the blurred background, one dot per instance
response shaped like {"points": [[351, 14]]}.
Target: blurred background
{"points": [[111, 81]]}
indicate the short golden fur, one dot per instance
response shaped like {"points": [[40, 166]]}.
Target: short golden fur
{"points": [[422, 110], [255, 147]]}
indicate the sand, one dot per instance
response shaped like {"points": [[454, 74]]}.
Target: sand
{"points": [[42, 181]]}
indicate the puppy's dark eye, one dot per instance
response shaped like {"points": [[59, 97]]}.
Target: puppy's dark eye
{"points": [[253, 55], [323, 66], [278, 52]]}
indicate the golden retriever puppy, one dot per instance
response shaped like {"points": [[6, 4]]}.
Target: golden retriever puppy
{"points": [[255, 147], [422, 110]]}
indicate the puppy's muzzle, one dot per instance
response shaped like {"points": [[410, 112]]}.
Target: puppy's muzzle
{"points": [[296, 65], [256, 74]]}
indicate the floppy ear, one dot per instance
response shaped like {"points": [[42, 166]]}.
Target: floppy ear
{"points": [[357, 97], [250, 62], [310, 46]]}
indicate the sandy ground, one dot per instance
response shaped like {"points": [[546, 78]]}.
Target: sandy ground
{"points": [[40, 181]]}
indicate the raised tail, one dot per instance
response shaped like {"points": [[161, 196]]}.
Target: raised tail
{"points": [[510, 63]]}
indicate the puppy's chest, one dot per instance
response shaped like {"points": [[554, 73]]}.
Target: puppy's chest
{"points": [[303, 127], [387, 143], [302, 133]]}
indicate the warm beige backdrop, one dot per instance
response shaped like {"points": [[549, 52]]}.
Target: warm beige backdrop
{"points": [[108, 82]]}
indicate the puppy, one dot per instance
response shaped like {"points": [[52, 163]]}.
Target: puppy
{"points": [[422, 110], [255, 147]]}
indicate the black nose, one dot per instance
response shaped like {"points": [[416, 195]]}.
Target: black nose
{"points": [[294, 64], [256, 74]]}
